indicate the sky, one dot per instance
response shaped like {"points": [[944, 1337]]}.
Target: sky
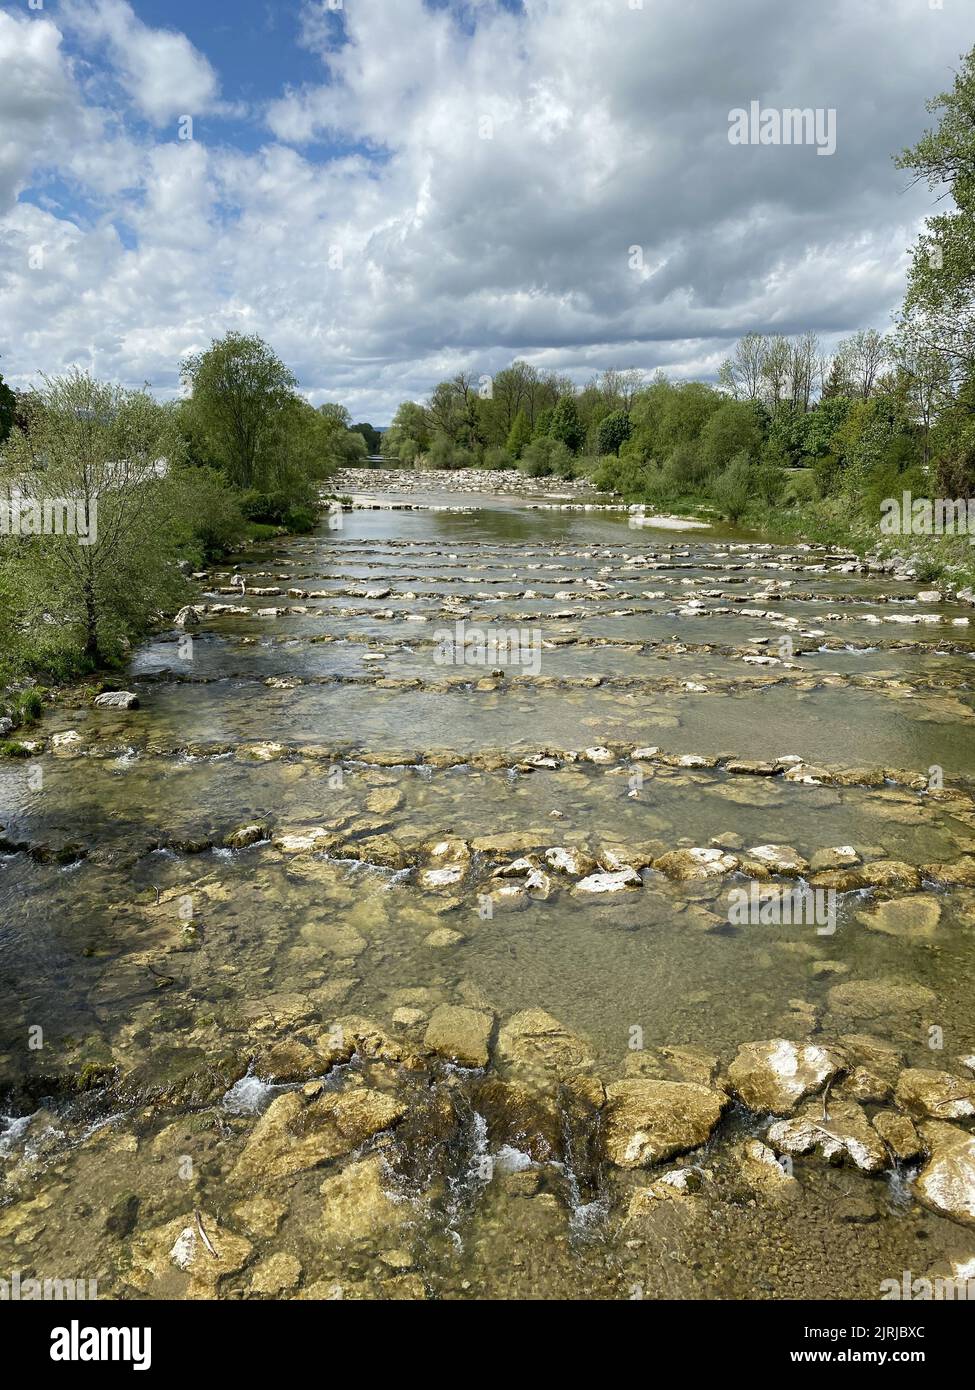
{"points": [[392, 191]]}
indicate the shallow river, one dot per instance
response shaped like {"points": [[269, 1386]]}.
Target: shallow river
{"points": [[297, 1000]]}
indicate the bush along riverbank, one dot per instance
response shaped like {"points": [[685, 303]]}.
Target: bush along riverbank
{"points": [[110, 502]]}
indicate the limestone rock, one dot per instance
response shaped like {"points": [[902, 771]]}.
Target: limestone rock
{"points": [[946, 1183], [673, 1064], [565, 859], [913, 917], [246, 835], [775, 859], [293, 1135], [278, 1274], [533, 1045], [846, 1133], [358, 1205], [764, 1174], [856, 1001], [648, 1121], [442, 937], [444, 877], [598, 883], [837, 857], [117, 699], [937, 1094], [775, 1076], [460, 1034], [684, 864], [194, 1245], [899, 1134], [260, 1216], [891, 875]]}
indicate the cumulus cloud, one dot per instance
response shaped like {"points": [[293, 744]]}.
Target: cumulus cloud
{"points": [[35, 99], [161, 72], [465, 184]]}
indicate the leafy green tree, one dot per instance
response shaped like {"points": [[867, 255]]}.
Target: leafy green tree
{"points": [[566, 424], [613, 431], [410, 422], [8, 405], [240, 395], [733, 429], [519, 435], [338, 414], [733, 488], [941, 285], [373, 438], [105, 448]]}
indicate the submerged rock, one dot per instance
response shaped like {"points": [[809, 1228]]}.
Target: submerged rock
{"points": [[533, 1046], [915, 916], [647, 1121], [673, 1064], [762, 1172], [938, 1094], [293, 1135], [773, 1077], [357, 1205], [278, 1274], [871, 1000], [460, 1034], [442, 937], [195, 1245], [946, 1183], [837, 857]]}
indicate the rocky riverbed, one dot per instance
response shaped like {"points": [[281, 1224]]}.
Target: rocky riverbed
{"points": [[503, 902]]}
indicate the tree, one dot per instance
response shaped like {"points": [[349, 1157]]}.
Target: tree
{"points": [[240, 393], [941, 285], [613, 430], [410, 426], [774, 372], [732, 490], [374, 440], [331, 410], [926, 374], [803, 362], [732, 429], [519, 435], [566, 424], [861, 357], [8, 406], [100, 447], [741, 374]]}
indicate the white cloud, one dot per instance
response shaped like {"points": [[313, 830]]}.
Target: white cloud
{"points": [[608, 129], [35, 98], [159, 69]]}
